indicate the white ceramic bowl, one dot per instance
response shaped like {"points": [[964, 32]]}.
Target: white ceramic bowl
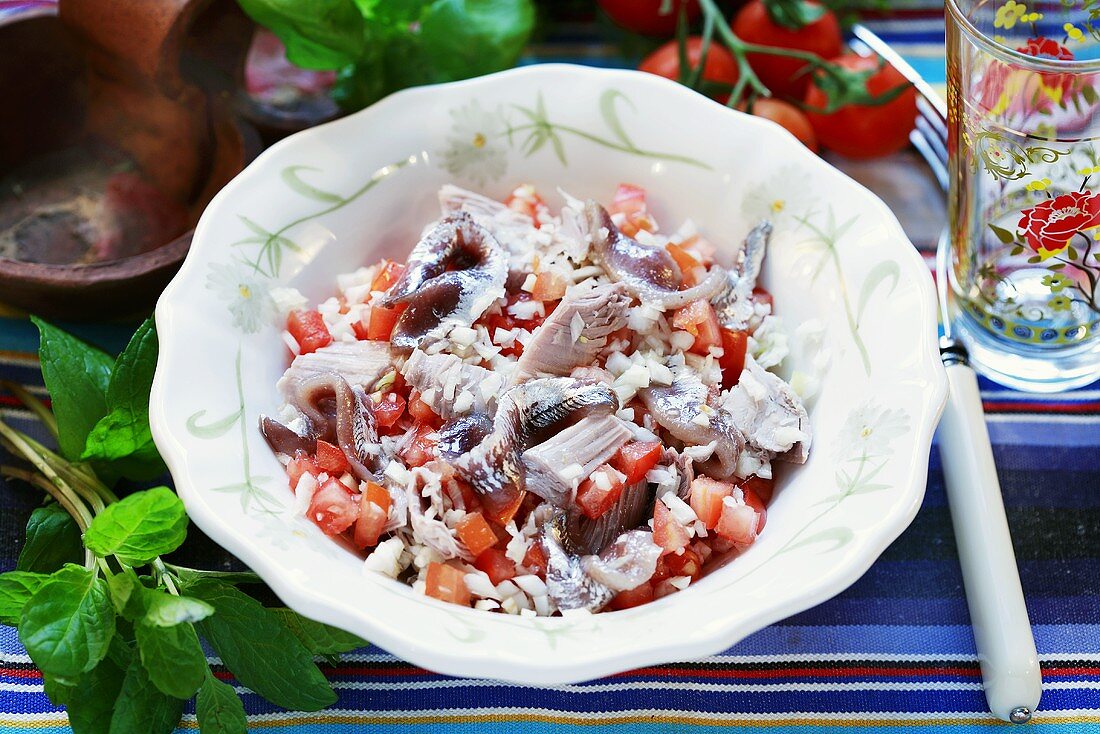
{"points": [[347, 193]]}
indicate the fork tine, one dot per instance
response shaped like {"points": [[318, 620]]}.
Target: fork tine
{"points": [[933, 139], [931, 157]]}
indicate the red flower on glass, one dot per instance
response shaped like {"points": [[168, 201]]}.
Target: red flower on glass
{"points": [[1046, 47], [1051, 224]]}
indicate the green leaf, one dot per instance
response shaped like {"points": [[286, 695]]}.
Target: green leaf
{"points": [[167, 610], [211, 430], [794, 14], [59, 690], [256, 645], [320, 34], [319, 639], [1089, 94], [53, 539], [139, 528], [465, 38], [76, 376], [127, 594], [124, 434], [172, 657], [141, 707], [16, 589], [1003, 234], [91, 701], [219, 710], [68, 624]]}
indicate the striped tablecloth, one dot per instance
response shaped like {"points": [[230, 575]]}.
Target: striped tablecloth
{"points": [[894, 653]]}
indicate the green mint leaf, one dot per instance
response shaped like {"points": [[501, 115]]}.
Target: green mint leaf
{"points": [[59, 690], [53, 539], [465, 38], [89, 703], [127, 595], [16, 589], [76, 376], [68, 624], [139, 528], [124, 434], [794, 14], [319, 639], [260, 651], [141, 707], [172, 657], [166, 610], [320, 34], [219, 709]]}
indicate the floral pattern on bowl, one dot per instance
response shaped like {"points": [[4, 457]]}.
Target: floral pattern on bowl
{"points": [[330, 199]]}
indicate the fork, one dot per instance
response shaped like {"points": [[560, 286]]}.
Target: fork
{"points": [[998, 614]]}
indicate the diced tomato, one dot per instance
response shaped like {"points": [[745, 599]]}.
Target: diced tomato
{"points": [[753, 500], [333, 508], [630, 201], [699, 319], [667, 530], [640, 412], [632, 597], [421, 411], [475, 533], [549, 286], [374, 507], [636, 458], [502, 513], [759, 295], [687, 262], [687, 563], [461, 494], [388, 274], [446, 583], [762, 488], [422, 448], [600, 491], [526, 200], [535, 560], [732, 361], [661, 589], [302, 463], [661, 572], [706, 499], [738, 523], [387, 408], [495, 563], [309, 330], [381, 320], [331, 458]]}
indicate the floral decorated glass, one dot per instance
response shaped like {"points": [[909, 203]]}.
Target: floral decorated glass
{"points": [[1024, 144]]}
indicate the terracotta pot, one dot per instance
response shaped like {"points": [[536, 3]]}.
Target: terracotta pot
{"points": [[152, 81]]}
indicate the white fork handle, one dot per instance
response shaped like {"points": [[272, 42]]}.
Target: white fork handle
{"points": [[1002, 633]]}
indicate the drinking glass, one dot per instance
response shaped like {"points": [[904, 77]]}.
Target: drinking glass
{"points": [[1024, 147]]}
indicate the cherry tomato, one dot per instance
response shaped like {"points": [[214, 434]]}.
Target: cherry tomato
{"points": [[788, 117], [866, 131], [720, 67], [645, 17], [781, 74]]}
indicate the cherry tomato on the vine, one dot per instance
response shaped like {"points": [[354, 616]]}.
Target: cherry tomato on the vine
{"points": [[784, 76], [866, 131], [720, 66], [787, 116], [645, 17]]}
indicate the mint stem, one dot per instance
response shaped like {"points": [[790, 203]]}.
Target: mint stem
{"points": [[35, 405]]}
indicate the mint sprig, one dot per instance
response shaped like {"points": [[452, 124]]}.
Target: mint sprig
{"points": [[118, 636]]}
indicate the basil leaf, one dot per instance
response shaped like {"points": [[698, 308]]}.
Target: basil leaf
{"points": [[124, 434], [172, 658], [139, 528], [794, 14], [260, 651], [465, 38], [53, 539], [90, 702], [167, 610], [219, 709], [141, 707], [320, 34], [68, 624], [319, 639], [76, 376], [16, 589]]}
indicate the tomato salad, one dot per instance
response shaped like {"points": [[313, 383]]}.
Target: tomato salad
{"points": [[541, 412]]}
